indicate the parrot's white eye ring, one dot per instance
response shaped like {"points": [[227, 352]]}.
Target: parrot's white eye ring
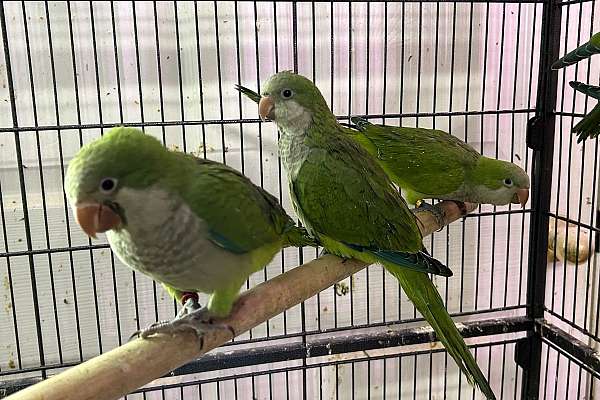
{"points": [[508, 182], [108, 185], [287, 93]]}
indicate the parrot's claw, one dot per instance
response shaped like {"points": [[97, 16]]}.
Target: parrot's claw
{"points": [[439, 215], [190, 305], [198, 320], [323, 252]]}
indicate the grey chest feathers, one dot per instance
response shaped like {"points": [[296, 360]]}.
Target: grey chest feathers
{"points": [[167, 241], [293, 150]]}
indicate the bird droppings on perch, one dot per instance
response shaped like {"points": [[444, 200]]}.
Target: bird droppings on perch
{"points": [[128, 367]]}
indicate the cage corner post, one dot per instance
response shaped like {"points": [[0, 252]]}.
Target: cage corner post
{"points": [[540, 138]]}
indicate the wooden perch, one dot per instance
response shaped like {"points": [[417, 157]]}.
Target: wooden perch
{"points": [[128, 367]]}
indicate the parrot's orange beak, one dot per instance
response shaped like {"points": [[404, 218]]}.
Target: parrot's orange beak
{"points": [[521, 197], [266, 108], [96, 218]]}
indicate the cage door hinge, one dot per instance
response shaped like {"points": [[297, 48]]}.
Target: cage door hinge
{"points": [[535, 132]]}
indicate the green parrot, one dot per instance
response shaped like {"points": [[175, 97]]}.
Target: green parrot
{"points": [[584, 51], [194, 225], [429, 163], [589, 126], [346, 200]]}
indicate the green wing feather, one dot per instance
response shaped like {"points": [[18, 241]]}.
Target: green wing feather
{"points": [[242, 218], [414, 157], [422, 292], [582, 52], [344, 195], [589, 126]]}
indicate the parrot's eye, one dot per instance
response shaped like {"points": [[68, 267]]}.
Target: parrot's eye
{"points": [[107, 185], [287, 93], [508, 182]]}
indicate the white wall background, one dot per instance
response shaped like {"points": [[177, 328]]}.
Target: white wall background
{"points": [[473, 63]]}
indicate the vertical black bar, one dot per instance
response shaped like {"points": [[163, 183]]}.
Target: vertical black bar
{"points": [[10, 279], [512, 144], [80, 134], [541, 189], [239, 81], [200, 86], [60, 151], [101, 121], [331, 80], [141, 101], [121, 119], [594, 190], [162, 119], [41, 171], [314, 78], [15, 123], [383, 111], [279, 173], [220, 81], [533, 24]]}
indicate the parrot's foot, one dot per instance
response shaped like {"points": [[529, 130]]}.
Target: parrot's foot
{"points": [[190, 304], [323, 252], [439, 215], [199, 320]]}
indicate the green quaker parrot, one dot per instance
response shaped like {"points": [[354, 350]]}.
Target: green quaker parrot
{"points": [[193, 225], [589, 126], [584, 51], [432, 164], [345, 199], [428, 163]]}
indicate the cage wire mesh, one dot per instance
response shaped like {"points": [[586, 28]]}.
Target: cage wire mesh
{"points": [[469, 68]]}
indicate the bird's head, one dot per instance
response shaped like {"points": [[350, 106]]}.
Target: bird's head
{"points": [[122, 158], [500, 182], [293, 102]]}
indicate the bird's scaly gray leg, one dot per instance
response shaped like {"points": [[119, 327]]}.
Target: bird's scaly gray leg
{"points": [[200, 321], [190, 304]]}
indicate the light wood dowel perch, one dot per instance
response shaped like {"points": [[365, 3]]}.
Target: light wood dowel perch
{"points": [[126, 368]]}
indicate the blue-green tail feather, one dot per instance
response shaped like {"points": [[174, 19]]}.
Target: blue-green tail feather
{"points": [[420, 262], [422, 292]]}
